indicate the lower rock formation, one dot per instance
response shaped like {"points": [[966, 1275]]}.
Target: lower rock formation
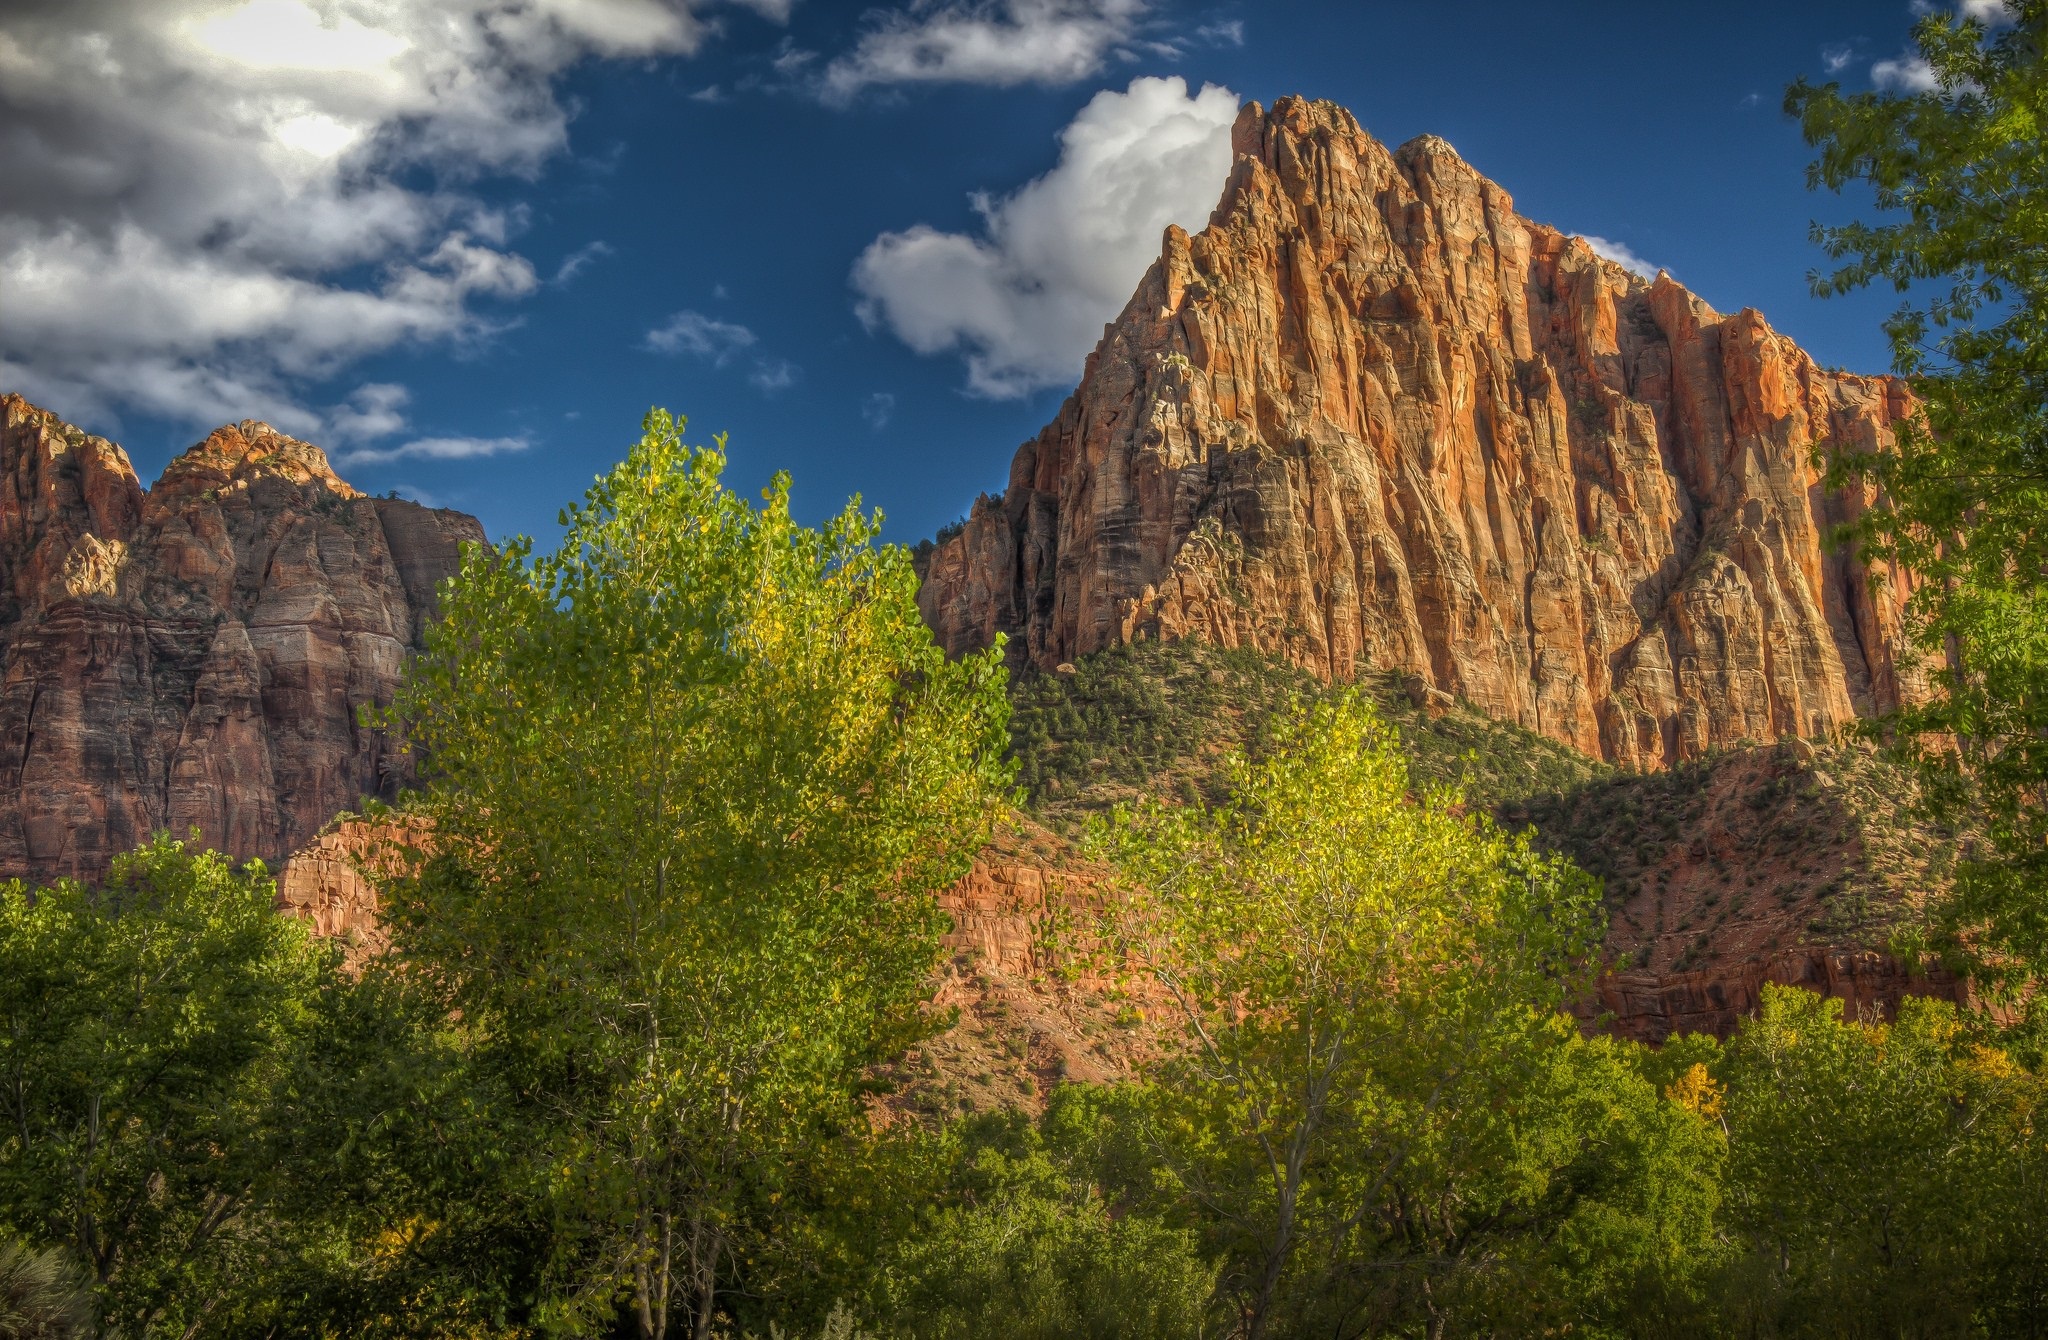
{"points": [[195, 656], [1650, 1006]]}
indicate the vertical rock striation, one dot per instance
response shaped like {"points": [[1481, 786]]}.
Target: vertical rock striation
{"points": [[194, 656], [1372, 416]]}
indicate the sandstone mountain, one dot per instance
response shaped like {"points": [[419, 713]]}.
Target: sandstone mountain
{"points": [[194, 655], [1372, 417]]}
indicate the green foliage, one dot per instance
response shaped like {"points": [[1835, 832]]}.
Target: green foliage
{"points": [[1962, 502], [1024, 1249], [1884, 1180], [994, 1225], [1588, 1206], [695, 776], [407, 1205], [145, 1028], [1364, 981], [1157, 718], [43, 1296], [1043, 1230]]}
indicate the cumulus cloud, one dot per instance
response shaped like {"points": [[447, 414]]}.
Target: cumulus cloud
{"points": [[435, 449], [1026, 299], [1905, 74], [1621, 255], [374, 410], [224, 199], [1991, 13], [998, 42]]}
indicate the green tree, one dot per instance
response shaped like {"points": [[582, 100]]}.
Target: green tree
{"points": [[1023, 1235], [695, 775], [145, 1027], [1883, 1179], [1961, 179], [402, 1209], [1366, 983]]}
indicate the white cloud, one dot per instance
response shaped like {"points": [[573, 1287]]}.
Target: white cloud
{"points": [[1227, 34], [219, 200], [773, 374], [436, 449], [1905, 74], [701, 336], [373, 410], [1991, 13], [1621, 255], [997, 42], [877, 410], [1835, 57], [718, 343], [577, 261], [1025, 300]]}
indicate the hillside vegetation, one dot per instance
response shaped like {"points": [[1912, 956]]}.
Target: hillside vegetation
{"points": [[1715, 860], [1154, 718]]}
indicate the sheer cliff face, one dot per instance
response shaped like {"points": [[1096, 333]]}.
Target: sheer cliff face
{"points": [[1372, 416], [194, 656]]}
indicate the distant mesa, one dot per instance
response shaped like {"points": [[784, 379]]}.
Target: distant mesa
{"points": [[1372, 417], [195, 655]]}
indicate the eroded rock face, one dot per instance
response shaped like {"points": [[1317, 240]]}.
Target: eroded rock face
{"points": [[194, 655], [1372, 416], [1650, 1007]]}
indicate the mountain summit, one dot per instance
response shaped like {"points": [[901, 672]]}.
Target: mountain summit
{"points": [[194, 656], [1371, 416]]}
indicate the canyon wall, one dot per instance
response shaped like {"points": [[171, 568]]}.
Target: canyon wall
{"points": [[194, 655], [1371, 416]]}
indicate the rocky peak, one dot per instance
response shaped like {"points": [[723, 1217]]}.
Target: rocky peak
{"points": [[194, 656], [245, 455], [1372, 416]]}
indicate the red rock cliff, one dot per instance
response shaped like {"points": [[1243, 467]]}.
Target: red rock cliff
{"points": [[1372, 416], [195, 655]]}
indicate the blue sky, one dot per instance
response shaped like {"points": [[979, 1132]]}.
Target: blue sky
{"points": [[472, 296]]}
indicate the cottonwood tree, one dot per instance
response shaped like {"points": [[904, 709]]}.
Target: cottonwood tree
{"points": [[696, 775], [1360, 976], [1961, 185]]}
